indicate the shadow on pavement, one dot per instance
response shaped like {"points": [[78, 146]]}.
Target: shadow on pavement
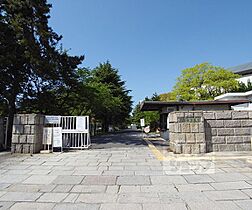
{"points": [[124, 138]]}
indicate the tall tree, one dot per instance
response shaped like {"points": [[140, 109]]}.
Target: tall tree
{"points": [[30, 61], [106, 79], [204, 82]]}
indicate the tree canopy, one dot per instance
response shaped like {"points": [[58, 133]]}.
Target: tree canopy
{"points": [[204, 82], [151, 117], [38, 76]]}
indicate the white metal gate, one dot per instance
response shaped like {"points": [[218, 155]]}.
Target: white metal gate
{"points": [[75, 132]]}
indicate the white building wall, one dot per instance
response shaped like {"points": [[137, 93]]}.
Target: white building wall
{"points": [[245, 79]]}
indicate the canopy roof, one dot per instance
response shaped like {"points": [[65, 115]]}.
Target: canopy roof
{"points": [[158, 105]]}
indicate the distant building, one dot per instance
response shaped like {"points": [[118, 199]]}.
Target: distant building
{"points": [[245, 71]]}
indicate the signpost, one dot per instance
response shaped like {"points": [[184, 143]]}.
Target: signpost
{"points": [[52, 119], [57, 137], [142, 123]]}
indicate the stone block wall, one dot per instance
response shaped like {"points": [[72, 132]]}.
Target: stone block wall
{"points": [[2, 131], [221, 131], [228, 131], [27, 134], [187, 132]]}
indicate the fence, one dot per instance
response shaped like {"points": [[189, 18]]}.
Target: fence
{"points": [[75, 132]]}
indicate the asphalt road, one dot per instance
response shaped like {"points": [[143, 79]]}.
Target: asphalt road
{"points": [[127, 138], [124, 138]]}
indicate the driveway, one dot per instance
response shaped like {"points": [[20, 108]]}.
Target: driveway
{"points": [[124, 175]]}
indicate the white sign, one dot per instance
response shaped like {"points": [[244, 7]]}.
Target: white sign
{"points": [[47, 136], [81, 123], [142, 123], [52, 119], [57, 137]]}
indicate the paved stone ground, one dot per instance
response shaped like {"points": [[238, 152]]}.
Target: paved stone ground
{"points": [[123, 177]]}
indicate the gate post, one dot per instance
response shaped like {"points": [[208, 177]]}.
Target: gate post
{"points": [[2, 133], [27, 133]]}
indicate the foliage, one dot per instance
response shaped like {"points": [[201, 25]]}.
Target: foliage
{"points": [[114, 103], [242, 87], [151, 117], [204, 82], [166, 96]]}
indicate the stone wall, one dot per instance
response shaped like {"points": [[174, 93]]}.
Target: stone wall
{"points": [[2, 131], [210, 131], [27, 133], [187, 132]]}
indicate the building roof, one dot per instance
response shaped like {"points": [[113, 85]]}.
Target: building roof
{"points": [[228, 95], [157, 105], [242, 69]]}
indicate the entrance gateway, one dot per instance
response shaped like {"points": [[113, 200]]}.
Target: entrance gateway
{"points": [[70, 132]]}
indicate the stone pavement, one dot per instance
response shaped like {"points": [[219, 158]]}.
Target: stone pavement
{"points": [[122, 178]]}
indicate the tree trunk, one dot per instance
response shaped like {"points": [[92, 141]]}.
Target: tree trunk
{"points": [[11, 112]]}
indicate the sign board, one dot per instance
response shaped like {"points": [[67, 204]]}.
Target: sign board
{"points": [[81, 123], [52, 119], [142, 123], [57, 136], [47, 136]]}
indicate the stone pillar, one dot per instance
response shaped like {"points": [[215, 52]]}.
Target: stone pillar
{"points": [[27, 134], [187, 132], [2, 131]]}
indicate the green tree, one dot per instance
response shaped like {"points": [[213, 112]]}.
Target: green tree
{"points": [[114, 103], [166, 96], [151, 117], [242, 87], [204, 82], [30, 62]]}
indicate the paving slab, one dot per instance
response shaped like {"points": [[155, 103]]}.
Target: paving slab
{"points": [[11, 178], [99, 180], [159, 188], [39, 179], [64, 179], [159, 180], [129, 189], [248, 192], [52, 197], [226, 195], [196, 179], [138, 198], [228, 177], [5, 205], [174, 206], [97, 198], [117, 206], [219, 205], [24, 188], [133, 180], [89, 188], [71, 198], [193, 187], [63, 188], [231, 185], [244, 204], [32, 206], [20, 196], [79, 206]]}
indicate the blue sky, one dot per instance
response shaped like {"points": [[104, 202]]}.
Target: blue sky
{"points": [[151, 41]]}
